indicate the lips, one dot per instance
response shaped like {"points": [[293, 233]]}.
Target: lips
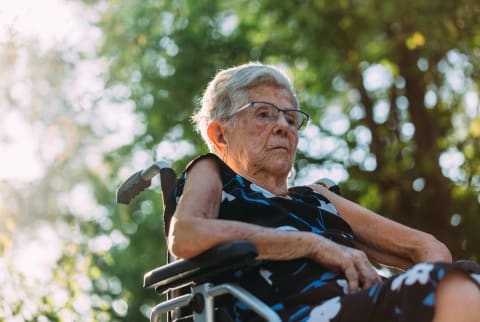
{"points": [[280, 147]]}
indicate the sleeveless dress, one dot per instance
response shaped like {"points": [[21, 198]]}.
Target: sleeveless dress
{"points": [[304, 290]]}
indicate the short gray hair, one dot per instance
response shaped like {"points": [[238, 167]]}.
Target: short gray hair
{"points": [[229, 90]]}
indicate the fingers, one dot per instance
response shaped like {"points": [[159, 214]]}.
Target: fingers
{"points": [[359, 272], [353, 279], [354, 263]]}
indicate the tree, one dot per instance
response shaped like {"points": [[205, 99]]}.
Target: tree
{"points": [[38, 119], [391, 88], [55, 238], [426, 52]]}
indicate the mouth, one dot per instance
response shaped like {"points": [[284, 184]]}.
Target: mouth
{"points": [[284, 148]]}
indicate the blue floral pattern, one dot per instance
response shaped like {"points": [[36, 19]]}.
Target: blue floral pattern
{"points": [[326, 311], [303, 290], [419, 273]]}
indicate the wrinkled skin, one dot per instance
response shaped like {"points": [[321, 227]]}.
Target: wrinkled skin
{"points": [[264, 153]]}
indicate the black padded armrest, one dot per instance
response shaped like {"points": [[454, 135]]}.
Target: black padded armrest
{"points": [[198, 269]]}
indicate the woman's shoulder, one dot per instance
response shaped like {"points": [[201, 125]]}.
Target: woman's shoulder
{"points": [[209, 162], [201, 175], [204, 158]]}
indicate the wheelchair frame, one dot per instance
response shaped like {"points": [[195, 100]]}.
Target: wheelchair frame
{"points": [[196, 272]]}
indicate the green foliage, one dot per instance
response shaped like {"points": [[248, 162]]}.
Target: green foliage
{"points": [[407, 141], [165, 52]]}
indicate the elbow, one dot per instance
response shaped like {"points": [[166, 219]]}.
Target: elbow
{"points": [[431, 249], [177, 243], [444, 252], [175, 247], [180, 236]]}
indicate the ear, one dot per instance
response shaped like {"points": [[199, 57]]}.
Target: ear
{"points": [[216, 134]]}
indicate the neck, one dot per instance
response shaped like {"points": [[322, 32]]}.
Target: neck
{"points": [[274, 184]]}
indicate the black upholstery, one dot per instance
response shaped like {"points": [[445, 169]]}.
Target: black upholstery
{"points": [[168, 179], [201, 268]]}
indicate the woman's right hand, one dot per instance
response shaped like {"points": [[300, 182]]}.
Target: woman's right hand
{"points": [[354, 263]]}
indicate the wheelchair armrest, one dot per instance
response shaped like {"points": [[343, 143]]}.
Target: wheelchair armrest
{"points": [[201, 268]]}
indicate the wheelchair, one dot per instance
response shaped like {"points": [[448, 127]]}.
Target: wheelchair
{"points": [[193, 286]]}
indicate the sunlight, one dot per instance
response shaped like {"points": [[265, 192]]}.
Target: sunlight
{"points": [[472, 106], [37, 19], [18, 161], [40, 125], [49, 22], [34, 259], [377, 77], [451, 161]]}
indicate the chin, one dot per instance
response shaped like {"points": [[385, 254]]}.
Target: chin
{"points": [[282, 168]]}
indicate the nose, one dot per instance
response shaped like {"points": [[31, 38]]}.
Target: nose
{"points": [[282, 116], [281, 123]]}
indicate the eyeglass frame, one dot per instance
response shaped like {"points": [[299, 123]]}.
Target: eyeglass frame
{"points": [[252, 104]]}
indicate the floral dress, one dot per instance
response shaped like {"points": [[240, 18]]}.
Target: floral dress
{"points": [[304, 290]]}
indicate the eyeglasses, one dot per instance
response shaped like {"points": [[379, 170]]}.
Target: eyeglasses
{"points": [[267, 113]]}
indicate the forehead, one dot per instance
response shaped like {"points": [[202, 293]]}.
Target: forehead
{"points": [[272, 93]]}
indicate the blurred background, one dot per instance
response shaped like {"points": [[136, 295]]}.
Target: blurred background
{"points": [[92, 90]]}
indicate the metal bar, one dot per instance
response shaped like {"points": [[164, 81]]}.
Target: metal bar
{"points": [[206, 314], [181, 301], [250, 300]]}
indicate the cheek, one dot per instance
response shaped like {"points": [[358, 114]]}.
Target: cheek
{"points": [[250, 138], [293, 142], [257, 135]]}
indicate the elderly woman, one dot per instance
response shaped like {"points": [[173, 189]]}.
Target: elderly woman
{"points": [[314, 246]]}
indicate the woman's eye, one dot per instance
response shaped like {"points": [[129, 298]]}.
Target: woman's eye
{"points": [[291, 119], [264, 113]]}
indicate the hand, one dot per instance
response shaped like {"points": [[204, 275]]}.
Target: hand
{"points": [[352, 262]]}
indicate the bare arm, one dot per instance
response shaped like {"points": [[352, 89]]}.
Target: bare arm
{"points": [[196, 219], [384, 240], [195, 228]]}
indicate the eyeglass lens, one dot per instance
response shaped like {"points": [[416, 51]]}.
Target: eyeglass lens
{"points": [[268, 112]]}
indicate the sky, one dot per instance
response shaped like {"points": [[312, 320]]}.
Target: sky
{"points": [[50, 21]]}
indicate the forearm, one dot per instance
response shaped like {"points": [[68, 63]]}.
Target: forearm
{"points": [[384, 258], [387, 241], [405, 250], [191, 236]]}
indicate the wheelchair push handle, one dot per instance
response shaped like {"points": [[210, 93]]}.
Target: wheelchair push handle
{"points": [[138, 182]]}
